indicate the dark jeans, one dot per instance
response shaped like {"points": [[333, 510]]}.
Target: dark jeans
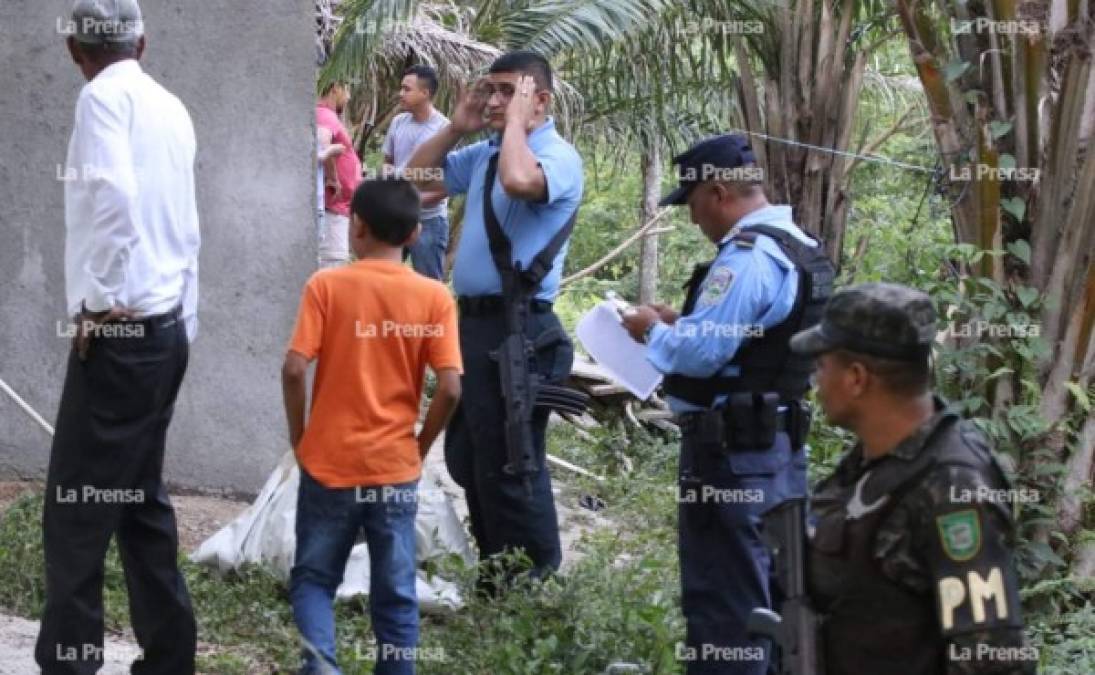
{"points": [[726, 570], [104, 479], [428, 253], [328, 520], [504, 516]]}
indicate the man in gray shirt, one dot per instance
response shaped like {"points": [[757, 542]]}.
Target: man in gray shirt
{"points": [[407, 131]]}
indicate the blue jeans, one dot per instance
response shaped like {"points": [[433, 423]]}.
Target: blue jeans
{"points": [[328, 520], [428, 253]]}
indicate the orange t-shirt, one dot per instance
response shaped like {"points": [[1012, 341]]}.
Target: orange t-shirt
{"points": [[374, 325]]}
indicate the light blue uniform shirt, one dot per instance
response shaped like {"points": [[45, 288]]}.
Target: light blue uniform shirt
{"points": [[529, 226], [746, 291]]}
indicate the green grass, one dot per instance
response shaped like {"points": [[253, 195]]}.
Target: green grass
{"points": [[619, 602]]}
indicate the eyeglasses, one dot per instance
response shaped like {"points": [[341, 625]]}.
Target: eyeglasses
{"points": [[503, 90]]}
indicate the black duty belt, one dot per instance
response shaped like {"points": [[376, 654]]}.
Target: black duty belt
{"points": [[489, 305], [693, 422]]}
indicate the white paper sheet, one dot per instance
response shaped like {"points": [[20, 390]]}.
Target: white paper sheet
{"points": [[603, 336]]}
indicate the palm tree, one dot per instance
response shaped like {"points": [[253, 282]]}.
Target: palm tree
{"points": [[782, 71], [1021, 98], [378, 39]]}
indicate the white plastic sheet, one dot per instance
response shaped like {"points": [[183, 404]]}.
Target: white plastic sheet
{"points": [[264, 533]]}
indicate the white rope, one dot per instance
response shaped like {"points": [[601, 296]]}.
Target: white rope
{"points": [[843, 153], [573, 467], [26, 407]]}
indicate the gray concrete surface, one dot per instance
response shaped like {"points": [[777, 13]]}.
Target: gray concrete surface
{"points": [[17, 638], [245, 70]]}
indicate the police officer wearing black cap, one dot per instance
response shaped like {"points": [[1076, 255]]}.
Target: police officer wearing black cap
{"points": [[909, 561], [737, 391]]}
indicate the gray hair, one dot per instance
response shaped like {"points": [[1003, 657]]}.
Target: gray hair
{"points": [[107, 23]]}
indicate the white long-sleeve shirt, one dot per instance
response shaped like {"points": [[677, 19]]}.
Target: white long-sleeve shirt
{"points": [[130, 211]]}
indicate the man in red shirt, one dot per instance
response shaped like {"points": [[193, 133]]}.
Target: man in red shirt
{"points": [[342, 174]]}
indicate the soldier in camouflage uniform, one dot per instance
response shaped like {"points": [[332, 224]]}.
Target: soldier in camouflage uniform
{"points": [[910, 544]]}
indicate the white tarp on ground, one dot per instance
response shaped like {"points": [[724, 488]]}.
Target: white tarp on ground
{"points": [[264, 534]]}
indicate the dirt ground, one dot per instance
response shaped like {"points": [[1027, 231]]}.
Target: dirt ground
{"points": [[198, 516]]}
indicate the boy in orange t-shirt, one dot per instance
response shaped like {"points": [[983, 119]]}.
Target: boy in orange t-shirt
{"points": [[374, 326]]}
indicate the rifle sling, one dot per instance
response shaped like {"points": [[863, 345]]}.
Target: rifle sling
{"points": [[517, 284]]}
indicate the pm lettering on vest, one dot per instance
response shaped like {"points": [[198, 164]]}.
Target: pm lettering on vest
{"points": [[977, 591]]}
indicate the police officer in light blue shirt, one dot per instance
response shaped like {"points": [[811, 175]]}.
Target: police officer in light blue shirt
{"points": [[534, 181], [737, 391]]}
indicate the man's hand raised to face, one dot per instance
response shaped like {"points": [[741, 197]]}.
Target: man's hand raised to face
{"points": [[468, 116], [522, 107]]}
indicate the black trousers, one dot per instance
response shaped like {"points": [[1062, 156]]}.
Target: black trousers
{"points": [[504, 516], [105, 479]]}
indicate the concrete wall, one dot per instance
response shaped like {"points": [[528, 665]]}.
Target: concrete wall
{"points": [[245, 70]]}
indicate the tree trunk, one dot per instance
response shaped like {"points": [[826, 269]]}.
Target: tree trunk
{"points": [[648, 256], [808, 95], [1028, 99]]}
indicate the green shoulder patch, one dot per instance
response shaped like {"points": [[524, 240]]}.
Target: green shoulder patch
{"points": [[960, 534]]}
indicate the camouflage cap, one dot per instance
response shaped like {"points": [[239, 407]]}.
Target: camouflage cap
{"points": [[99, 22], [878, 319]]}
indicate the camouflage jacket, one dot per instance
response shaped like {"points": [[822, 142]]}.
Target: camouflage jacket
{"points": [[910, 560]]}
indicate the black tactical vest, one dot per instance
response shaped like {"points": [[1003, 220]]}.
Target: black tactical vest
{"points": [[766, 363], [872, 623]]}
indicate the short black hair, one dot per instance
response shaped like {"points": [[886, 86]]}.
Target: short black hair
{"points": [[389, 207], [529, 63], [424, 74], [905, 378]]}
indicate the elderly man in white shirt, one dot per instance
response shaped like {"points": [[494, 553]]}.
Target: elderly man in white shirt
{"points": [[131, 279]]}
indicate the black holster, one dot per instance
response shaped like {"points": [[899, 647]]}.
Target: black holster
{"points": [[800, 418], [750, 421]]}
